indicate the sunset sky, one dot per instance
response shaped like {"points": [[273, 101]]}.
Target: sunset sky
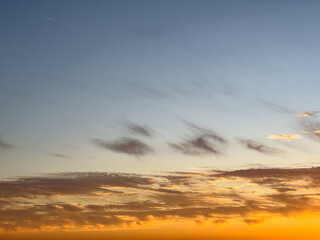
{"points": [[164, 119]]}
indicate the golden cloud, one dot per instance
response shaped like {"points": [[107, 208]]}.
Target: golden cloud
{"points": [[105, 201], [307, 114], [285, 137]]}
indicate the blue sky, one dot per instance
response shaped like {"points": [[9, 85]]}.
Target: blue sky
{"points": [[73, 71]]}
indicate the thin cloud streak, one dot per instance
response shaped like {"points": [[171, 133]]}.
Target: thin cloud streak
{"points": [[139, 130], [276, 108], [4, 145], [58, 155], [261, 148], [287, 138], [125, 145], [203, 142]]}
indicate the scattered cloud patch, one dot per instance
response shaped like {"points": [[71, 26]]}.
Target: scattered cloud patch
{"points": [[276, 108], [139, 130], [261, 148], [202, 142], [311, 127], [125, 145], [58, 155], [50, 19], [287, 138], [4, 145], [307, 114]]}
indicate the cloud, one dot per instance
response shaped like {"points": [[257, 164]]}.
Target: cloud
{"points": [[58, 155], [86, 183], [129, 146], [197, 146], [140, 130], [49, 19], [4, 145], [202, 142], [276, 108], [287, 138], [101, 200], [307, 114], [279, 178], [261, 148], [252, 221], [311, 127]]}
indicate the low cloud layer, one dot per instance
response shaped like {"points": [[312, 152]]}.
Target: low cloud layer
{"points": [[128, 146], [104, 200]]}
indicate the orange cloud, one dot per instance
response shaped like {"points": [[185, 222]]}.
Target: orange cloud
{"points": [[285, 137], [315, 131], [307, 114], [302, 115], [73, 201]]}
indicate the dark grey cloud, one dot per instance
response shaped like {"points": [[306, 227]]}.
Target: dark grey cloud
{"points": [[202, 142], [261, 148], [277, 178], [4, 145], [139, 130], [198, 146], [129, 146], [295, 173], [71, 184]]}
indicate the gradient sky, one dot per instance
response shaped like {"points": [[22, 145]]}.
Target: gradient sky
{"points": [[152, 87]]}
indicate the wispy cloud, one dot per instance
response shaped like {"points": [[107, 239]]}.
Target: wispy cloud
{"points": [[311, 128], [50, 19], [129, 146], [139, 130], [58, 155], [202, 142], [261, 148], [287, 138], [276, 108], [4, 145]]}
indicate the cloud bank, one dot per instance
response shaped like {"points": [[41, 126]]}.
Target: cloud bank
{"points": [[104, 200]]}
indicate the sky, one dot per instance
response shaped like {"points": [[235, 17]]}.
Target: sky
{"points": [[138, 118]]}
